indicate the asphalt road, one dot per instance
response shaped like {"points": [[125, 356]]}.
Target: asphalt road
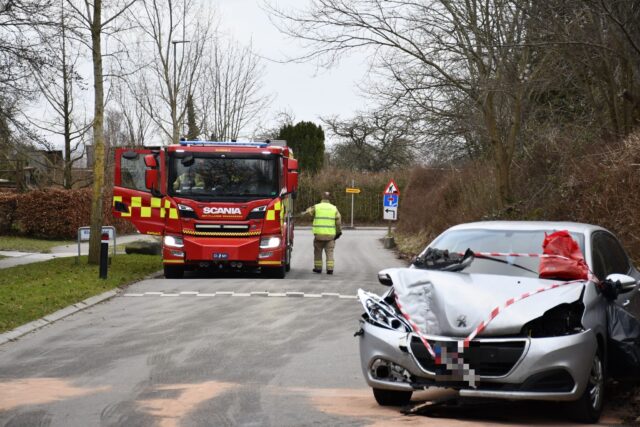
{"points": [[214, 350]]}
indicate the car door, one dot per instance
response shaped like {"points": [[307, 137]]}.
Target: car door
{"points": [[609, 257], [132, 200]]}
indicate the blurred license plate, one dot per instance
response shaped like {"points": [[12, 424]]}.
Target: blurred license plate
{"points": [[220, 255]]}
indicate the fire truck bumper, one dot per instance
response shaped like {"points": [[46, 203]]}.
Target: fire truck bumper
{"points": [[222, 251]]}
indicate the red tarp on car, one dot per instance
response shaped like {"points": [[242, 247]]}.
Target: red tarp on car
{"points": [[571, 266]]}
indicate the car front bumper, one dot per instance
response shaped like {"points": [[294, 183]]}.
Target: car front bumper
{"points": [[554, 368]]}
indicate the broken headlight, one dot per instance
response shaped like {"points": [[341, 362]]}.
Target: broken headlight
{"points": [[564, 319], [379, 313]]}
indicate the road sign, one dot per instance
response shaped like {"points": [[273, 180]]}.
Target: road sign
{"points": [[391, 188], [84, 233], [390, 214], [353, 190], [390, 200]]}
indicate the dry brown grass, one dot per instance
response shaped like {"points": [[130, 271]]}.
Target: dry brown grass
{"points": [[556, 181]]}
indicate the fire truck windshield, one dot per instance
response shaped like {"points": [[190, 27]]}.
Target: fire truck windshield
{"points": [[205, 177]]}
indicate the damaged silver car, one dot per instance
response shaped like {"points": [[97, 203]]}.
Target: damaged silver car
{"points": [[473, 314]]}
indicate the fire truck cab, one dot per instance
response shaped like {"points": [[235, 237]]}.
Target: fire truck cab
{"points": [[215, 204]]}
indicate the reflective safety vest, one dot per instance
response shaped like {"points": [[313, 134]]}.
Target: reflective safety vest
{"points": [[324, 220]]}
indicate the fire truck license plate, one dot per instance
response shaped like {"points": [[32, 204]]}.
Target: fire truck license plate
{"points": [[220, 255]]}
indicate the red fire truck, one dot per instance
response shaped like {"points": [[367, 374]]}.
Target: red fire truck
{"points": [[215, 204]]}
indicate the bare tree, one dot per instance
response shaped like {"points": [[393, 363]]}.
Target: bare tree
{"points": [[57, 85], [441, 58], [177, 33], [88, 15], [137, 122], [230, 92], [24, 27], [374, 141]]}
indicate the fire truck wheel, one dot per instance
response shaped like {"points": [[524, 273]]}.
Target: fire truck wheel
{"points": [[173, 271], [276, 272], [287, 265]]}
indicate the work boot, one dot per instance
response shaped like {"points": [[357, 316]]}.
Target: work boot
{"points": [[317, 270], [329, 271]]}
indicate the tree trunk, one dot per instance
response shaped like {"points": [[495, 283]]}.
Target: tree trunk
{"points": [[66, 108], [502, 156], [98, 135]]}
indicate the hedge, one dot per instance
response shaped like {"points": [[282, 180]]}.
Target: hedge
{"points": [[53, 213], [7, 211], [367, 204]]}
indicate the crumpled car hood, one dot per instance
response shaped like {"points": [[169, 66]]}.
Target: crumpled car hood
{"points": [[453, 304]]}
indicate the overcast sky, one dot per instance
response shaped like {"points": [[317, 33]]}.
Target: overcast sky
{"points": [[302, 89]]}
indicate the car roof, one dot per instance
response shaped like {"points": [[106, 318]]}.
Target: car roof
{"points": [[572, 227]]}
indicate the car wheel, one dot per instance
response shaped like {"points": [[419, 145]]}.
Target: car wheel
{"points": [[588, 408], [173, 271], [392, 397]]}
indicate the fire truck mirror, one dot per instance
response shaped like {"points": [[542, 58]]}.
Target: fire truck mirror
{"points": [[292, 182], [150, 161], [151, 179], [293, 165]]}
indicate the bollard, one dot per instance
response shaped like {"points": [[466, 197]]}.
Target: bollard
{"points": [[104, 255]]}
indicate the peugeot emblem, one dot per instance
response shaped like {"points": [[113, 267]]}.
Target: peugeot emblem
{"points": [[462, 321]]}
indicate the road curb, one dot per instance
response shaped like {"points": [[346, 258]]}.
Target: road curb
{"points": [[34, 325]]}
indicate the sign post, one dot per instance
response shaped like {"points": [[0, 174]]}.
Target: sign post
{"points": [[390, 200], [84, 233], [353, 191]]}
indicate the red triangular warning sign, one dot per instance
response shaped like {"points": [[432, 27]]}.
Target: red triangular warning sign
{"points": [[391, 188]]}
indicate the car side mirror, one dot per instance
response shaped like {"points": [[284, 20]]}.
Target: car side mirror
{"points": [[627, 283], [385, 279]]}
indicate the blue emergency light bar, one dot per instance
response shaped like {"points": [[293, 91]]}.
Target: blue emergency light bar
{"points": [[224, 143]]}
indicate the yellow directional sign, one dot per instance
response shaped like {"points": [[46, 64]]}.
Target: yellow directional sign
{"points": [[353, 190]]}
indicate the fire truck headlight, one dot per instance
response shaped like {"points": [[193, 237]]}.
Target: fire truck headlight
{"points": [[173, 241], [259, 209], [269, 242], [185, 208]]}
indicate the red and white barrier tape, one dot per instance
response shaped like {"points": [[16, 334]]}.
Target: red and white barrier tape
{"points": [[518, 254], [415, 328], [494, 313]]}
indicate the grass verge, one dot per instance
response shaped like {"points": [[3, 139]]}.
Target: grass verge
{"points": [[26, 244], [28, 292]]}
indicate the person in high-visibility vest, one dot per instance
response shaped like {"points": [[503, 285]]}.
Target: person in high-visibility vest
{"points": [[326, 230]]}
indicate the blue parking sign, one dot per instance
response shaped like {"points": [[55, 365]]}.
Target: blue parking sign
{"points": [[390, 201]]}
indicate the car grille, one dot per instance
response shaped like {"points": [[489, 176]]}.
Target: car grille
{"points": [[487, 358]]}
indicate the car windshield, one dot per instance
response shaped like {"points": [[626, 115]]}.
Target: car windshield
{"points": [[222, 177], [505, 241]]}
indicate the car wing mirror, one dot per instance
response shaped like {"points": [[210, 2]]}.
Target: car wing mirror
{"points": [[385, 279], [626, 283]]}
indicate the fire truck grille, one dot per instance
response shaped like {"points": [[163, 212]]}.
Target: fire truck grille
{"points": [[221, 230]]}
